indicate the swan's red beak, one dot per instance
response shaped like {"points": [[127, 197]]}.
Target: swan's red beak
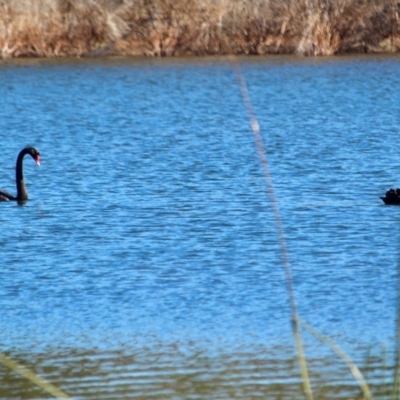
{"points": [[37, 160]]}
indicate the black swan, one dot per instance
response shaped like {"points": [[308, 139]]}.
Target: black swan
{"points": [[22, 194], [392, 197]]}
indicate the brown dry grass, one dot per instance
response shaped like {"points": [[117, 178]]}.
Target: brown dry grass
{"points": [[52, 28]]}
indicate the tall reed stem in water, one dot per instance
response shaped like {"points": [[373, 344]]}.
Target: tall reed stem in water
{"points": [[396, 379], [349, 362], [284, 254]]}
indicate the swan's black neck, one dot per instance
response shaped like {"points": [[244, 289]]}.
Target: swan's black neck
{"points": [[22, 194]]}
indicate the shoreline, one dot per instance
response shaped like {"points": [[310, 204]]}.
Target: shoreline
{"points": [[207, 60], [168, 28]]}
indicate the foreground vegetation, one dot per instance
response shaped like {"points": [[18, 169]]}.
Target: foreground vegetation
{"points": [[392, 391], [54, 28], [183, 370]]}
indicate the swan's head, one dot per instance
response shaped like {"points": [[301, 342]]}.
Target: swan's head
{"points": [[34, 153]]}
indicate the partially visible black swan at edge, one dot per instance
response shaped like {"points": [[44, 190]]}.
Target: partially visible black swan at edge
{"points": [[392, 197], [22, 194]]}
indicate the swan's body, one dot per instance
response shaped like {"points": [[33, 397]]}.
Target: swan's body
{"points": [[22, 194], [392, 197]]}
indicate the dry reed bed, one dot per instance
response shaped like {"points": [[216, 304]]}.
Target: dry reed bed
{"points": [[54, 28]]}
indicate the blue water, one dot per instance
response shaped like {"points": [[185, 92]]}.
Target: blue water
{"points": [[149, 220]]}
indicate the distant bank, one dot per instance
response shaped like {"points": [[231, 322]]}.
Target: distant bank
{"points": [[57, 28]]}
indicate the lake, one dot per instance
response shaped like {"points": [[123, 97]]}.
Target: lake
{"points": [[146, 263]]}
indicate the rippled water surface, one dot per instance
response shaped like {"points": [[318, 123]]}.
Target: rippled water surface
{"points": [[146, 263]]}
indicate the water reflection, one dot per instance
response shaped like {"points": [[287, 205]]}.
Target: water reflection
{"points": [[184, 371]]}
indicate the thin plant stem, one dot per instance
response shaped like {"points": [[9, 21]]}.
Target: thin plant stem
{"points": [[385, 370], [349, 362], [278, 222], [396, 378], [33, 377]]}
